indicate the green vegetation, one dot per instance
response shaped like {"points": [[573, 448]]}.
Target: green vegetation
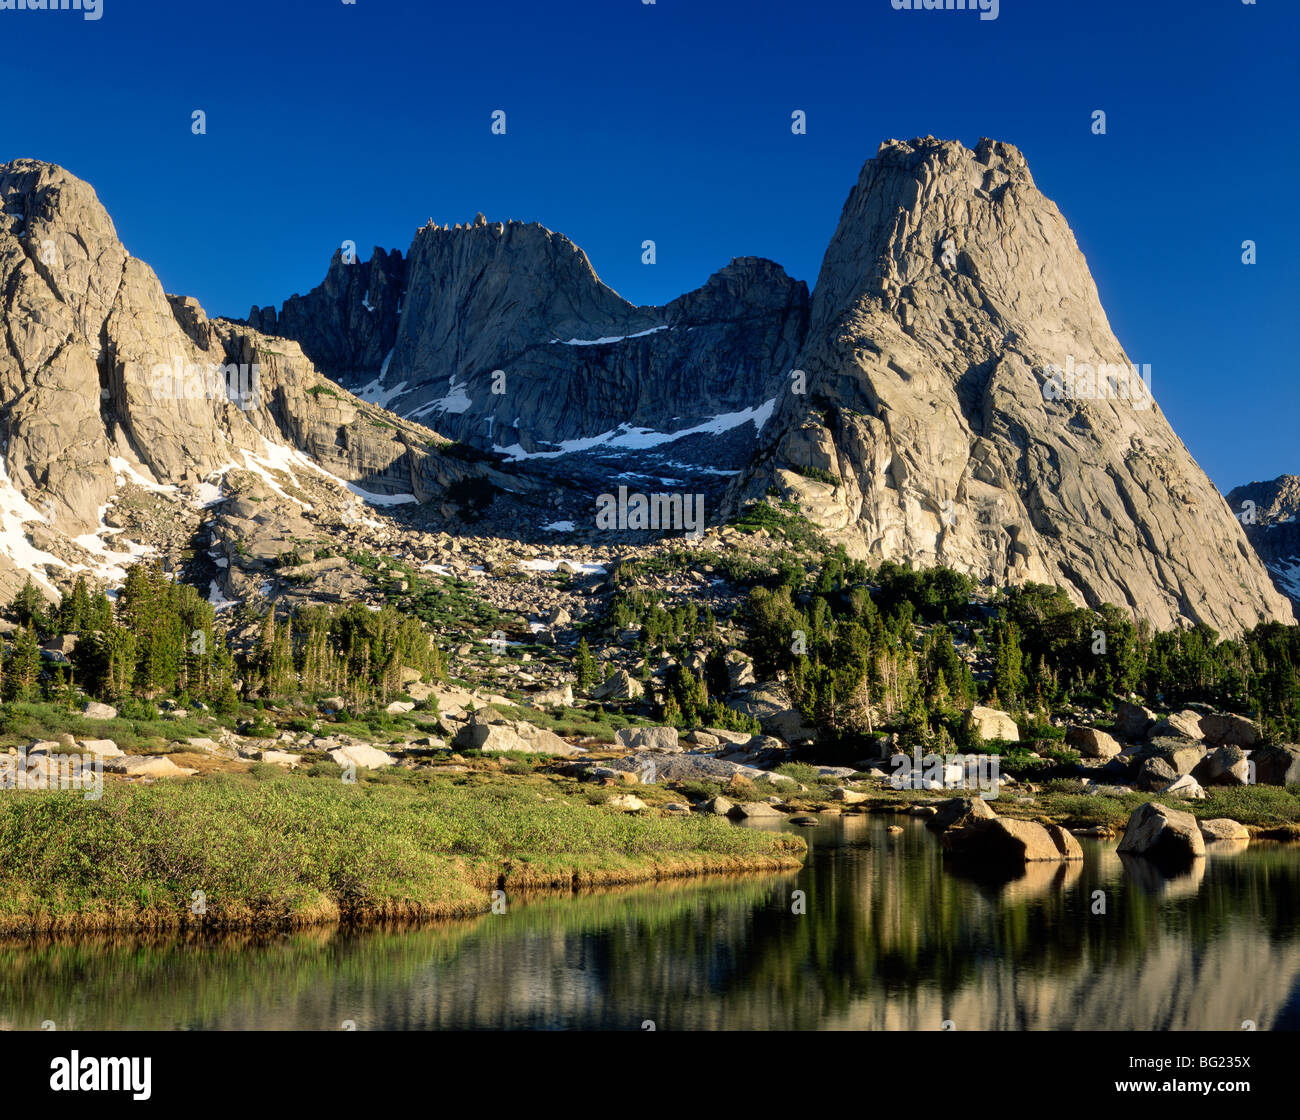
{"points": [[284, 850], [819, 474], [161, 640], [781, 520], [891, 649]]}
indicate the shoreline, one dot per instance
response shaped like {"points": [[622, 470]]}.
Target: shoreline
{"points": [[1283, 833], [326, 912]]}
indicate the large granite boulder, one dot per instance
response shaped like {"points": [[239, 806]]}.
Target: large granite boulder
{"points": [[685, 767], [1162, 833], [1223, 766], [361, 754], [648, 738], [1229, 730], [992, 724], [1132, 721], [1182, 755], [620, 686], [1155, 774], [146, 766], [1004, 840], [1221, 828], [770, 704], [1091, 743], [1277, 765], [490, 732], [1178, 725]]}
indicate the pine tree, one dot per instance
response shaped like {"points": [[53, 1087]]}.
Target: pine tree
{"points": [[23, 669], [586, 667], [1008, 661], [28, 607]]}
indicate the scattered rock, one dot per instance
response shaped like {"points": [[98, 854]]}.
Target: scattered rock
{"points": [[1224, 766], [1155, 774], [754, 810], [1180, 754], [553, 698], [1133, 721], [621, 686], [1185, 724], [648, 739], [492, 733], [685, 767], [104, 748], [1186, 787], [1066, 844], [360, 754], [281, 758], [146, 766], [960, 811], [1091, 743], [1221, 828]]}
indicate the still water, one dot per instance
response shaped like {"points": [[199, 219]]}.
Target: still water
{"points": [[890, 939]]}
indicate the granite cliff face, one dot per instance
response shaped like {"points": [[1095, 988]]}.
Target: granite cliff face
{"points": [[915, 408], [105, 381], [576, 361], [933, 430], [1270, 514]]}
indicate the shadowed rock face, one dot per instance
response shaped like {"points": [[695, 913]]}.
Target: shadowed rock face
{"points": [[948, 289], [1270, 514], [347, 324], [577, 359]]}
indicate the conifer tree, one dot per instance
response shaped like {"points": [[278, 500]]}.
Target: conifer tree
{"points": [[23, 667]]}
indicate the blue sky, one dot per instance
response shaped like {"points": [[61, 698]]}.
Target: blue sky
{"points": [[671, 121]]}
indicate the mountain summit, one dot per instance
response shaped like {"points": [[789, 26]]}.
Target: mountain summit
{"points": [[966, 403], [500, 334]]}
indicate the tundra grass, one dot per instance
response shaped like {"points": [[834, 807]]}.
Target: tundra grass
{"points": [[290, 850]]}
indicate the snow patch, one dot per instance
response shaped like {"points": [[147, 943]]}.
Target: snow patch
{"points": [[124, 472], [553, 565], [14, 510], [1288, 575], [456, 400], [375, 391], [641, 439], [606, 341], [217, 599], [380, 499]]}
